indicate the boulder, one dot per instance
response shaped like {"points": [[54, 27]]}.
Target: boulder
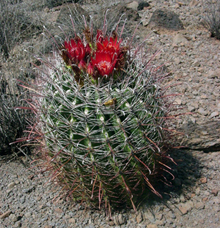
{"points": [[166, 19]]}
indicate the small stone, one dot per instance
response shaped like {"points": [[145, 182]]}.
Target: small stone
{"points": [[133, 5], [214, 114], [183, 209], [121, 219], [177, 101], [111, 223], [173, 216], [191, 108], [196, 63], [14, 218], [116, 222], [197, 191], [159, 216], [217, 201], [214, 192], [204, 96], [11, 185], [149, 216], [143, 5], [179, 39], [160, 222], [18, 224], [72, 220], [22, 199], [193, 3], [203, 180], [186, 207], [193, 195], [200, 205], [6, 214], [152, 226], [58, 210], [202, 111], [29, 190], [139, 218], [214, 74], [182, 198]]}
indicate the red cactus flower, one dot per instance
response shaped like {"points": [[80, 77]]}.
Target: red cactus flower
{"points": [[109, 45], [76, 51], [104, 62]]}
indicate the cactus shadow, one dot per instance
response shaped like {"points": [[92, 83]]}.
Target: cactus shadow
{"points": [[187, 172]]}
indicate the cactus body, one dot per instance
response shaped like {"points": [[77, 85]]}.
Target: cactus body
{"points": [[104, 134]]}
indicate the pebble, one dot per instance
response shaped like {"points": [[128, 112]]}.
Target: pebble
{"points": [[72, 220], [139, 217], [5, 214], [133, 5], [214, 114], [119, 219], [152, 226], [214, 192], [200, 205], [179, 39], [185, 207], [11, 185], [203, 180]]}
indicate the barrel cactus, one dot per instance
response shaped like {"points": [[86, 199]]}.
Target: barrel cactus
{"points": [[102, 115]]}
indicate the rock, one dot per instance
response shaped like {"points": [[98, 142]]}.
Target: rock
{"points": [[197, 191], [90, 226], [185, 207], [28, 190], [72, 220], [203, 180], [214, 114], [191, 108], [5, 214], [139, 218], [152, 226], [208, 142], [159, 216], [54, 3], [119, 219], [177, 101], [149, 216], [193, 3], [14, 218], [22, 199], [133, 5], [11, 185], [182, 198], [58, 210], [199, 205], [202, 111], [111, 223], [142, 5], [179, 39], [213, 74], [166, 19], [214, 192]]}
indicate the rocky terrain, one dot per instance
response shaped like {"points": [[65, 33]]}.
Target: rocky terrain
{"points": [[29, 199]]}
